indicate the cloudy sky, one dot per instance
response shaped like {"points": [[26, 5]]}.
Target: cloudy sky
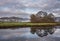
{"points": [[26, 7]]}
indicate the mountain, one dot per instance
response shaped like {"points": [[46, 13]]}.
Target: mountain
{"points": [[41, 13], [10, 18], [57, 19], [13, 19]]}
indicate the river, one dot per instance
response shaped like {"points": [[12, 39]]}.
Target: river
{"points": [[24, 34]]}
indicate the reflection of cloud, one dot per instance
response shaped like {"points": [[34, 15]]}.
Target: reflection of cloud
{"points": [[23, 33], [57, 33], [29, 35], [6, 34]]}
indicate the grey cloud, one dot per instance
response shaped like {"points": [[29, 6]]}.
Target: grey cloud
{"points": [[44, 5], [57, 11], [14, 4], [17, 14]]}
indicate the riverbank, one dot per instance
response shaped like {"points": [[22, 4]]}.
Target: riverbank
{"points": [[25, 24]]}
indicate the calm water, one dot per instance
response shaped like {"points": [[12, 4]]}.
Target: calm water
{"points": [[29, 34]]}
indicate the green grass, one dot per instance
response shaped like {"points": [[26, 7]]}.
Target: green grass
{"points": [[13, 24]]}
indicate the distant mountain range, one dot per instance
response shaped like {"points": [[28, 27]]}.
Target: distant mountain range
{"points": [[57, 19], [13, 18]]}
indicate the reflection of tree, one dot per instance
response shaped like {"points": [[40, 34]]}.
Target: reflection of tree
{"points": [[42, 31]]}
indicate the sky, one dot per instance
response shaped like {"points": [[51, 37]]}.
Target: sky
{"points": [[27, 7]]}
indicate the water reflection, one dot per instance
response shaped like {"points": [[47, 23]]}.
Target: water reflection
{"points": [[43, 31], [23, 34]]}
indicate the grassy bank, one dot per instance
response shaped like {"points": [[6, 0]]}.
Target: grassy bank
{"points": [[25, 24]]}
